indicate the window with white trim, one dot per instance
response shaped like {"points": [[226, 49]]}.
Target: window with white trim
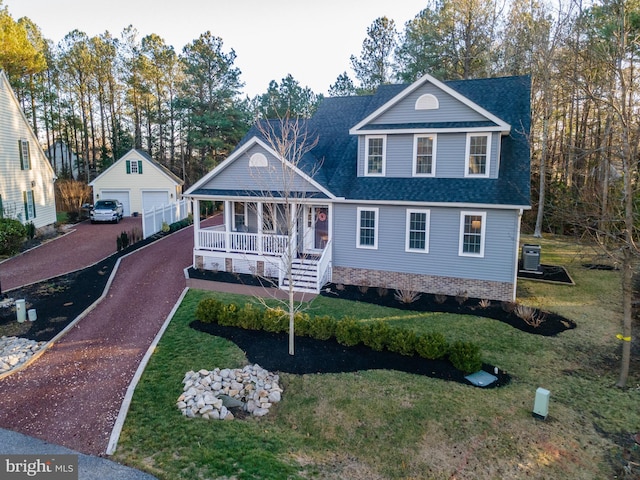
{"points": [[367, 228], [375, 155], [424, 155], [477, 155], [239, 215], [29, 205], [417, 235], [25, 155], [472, 231]]}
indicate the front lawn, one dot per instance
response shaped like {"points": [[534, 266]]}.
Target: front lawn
{"points": [[391, 425]]}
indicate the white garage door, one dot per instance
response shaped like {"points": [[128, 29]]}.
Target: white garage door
{"points": [[122, 196], [154, 199]]}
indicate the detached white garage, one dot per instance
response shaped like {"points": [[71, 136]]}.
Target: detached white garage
{"points": [[138, 182]]}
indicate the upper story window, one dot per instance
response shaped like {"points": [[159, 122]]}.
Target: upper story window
{"points": [[424, 155], [375, 155], [417, 235], [477, 155], [25, 155], [472, 231], [134, 166], [367, 228]]}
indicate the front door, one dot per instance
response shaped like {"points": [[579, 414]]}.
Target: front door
{"points": [[317, 228]]}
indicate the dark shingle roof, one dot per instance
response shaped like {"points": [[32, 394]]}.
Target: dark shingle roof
{"points": [[507, 98]]}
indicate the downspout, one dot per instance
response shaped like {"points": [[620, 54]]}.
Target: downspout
{"points": [[517, 250]]}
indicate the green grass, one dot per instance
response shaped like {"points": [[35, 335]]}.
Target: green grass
{"points": [[385, 424]]}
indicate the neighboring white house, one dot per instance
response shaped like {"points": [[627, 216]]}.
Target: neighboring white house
{"points": [[138, 182], [63, 159], [26, 176]]}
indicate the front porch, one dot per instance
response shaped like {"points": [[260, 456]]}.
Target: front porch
{"points": [[290, 242]]}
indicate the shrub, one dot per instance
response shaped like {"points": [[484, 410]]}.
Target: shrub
{"points": [[432, 346], [402, 341], [382, 291], [275, 320], [376, 335], [322, 327], [249, 317], [465, 356], [12, 234], [440, 298], [348, 332], [209, 310], [228, 316], [461, 296], [530, 315], [31, 230], [302, 324], [406, 296], [165, 227]]}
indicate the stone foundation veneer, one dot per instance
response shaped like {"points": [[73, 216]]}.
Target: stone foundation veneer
{"points": [[502, 291]]}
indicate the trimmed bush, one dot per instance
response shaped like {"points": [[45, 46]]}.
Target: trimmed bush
{"points": [[349, 332], [209, 310], [402, 341], [249, 317], [275, 320], [302, 324], [376, 335], [432, 346], [228, 316], [12, 234], [465, 356], [323, 327]]}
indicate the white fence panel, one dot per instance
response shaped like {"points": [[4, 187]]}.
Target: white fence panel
{"points": [[153, 218]]}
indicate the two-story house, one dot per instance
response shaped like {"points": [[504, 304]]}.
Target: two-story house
{"points": [[26, 176], [417, 187]]}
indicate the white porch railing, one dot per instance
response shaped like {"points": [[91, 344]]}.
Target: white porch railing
{"points": [[153, 218], [324, 266], [217, 239]]}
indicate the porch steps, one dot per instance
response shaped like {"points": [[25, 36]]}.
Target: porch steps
{"points": [[304, 272]]}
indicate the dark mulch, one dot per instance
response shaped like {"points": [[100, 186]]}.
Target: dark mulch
{"points": [[271, 351]]}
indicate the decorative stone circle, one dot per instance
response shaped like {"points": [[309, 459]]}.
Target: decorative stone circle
{"points": [[210, 394]]}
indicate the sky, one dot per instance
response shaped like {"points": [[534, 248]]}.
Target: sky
{"points": [[309, 39]]}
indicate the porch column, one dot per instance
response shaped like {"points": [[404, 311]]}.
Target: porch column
{"points": [[260, 225], [227, 223], [196, 223]]}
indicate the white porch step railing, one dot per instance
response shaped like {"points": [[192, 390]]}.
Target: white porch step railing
{"points": [[309, 274]]}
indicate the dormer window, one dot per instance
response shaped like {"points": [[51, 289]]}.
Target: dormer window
{"points": [[424, 155], [477, 155], [375, 155]]}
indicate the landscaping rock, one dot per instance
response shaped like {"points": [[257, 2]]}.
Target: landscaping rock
{"points": [[210, 394], [15, 351]]}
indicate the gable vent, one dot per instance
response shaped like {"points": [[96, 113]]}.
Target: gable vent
{"points": [[258, 160], [427, 102]]}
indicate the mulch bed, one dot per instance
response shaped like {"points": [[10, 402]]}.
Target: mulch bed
{"points": [[271, 351]]}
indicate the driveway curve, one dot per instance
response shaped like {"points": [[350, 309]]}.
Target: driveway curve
{"points": [[72, 394]]}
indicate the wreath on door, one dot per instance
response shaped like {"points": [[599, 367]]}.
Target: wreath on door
{"points": [[322, 216]]}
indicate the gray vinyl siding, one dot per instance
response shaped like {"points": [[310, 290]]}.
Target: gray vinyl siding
{"points": [[498, 263], [450, 155], [239, 176], [451, 109]]}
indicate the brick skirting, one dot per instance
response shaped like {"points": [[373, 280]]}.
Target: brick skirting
{"points": [[423, 283]]}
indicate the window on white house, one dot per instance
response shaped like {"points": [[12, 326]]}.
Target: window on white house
{"points": [[424, 155], [134, 166], [367, 228], [477, 155], [29, 205], [269, 215], [375, 156], [417, 235], [1, 208], [239, 215], [25, 155], [472, 231]]}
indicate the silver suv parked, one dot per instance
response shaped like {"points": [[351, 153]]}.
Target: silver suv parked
{"points": [[106, 211]]}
